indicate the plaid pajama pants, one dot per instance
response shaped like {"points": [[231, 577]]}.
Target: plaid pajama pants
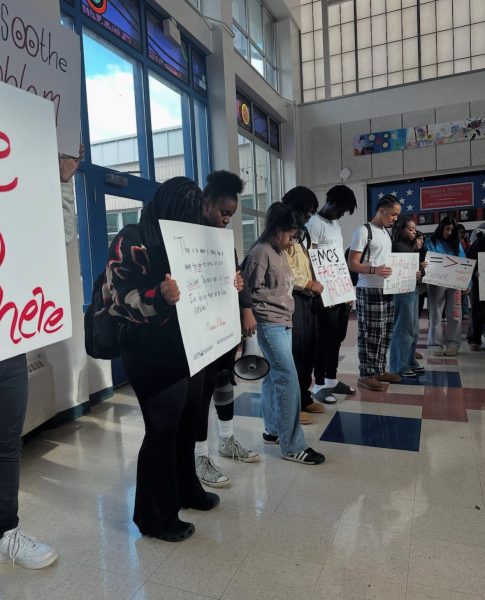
{"points": [[375, 313]]}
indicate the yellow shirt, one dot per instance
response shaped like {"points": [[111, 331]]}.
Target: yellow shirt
{"points": [[300, 268]]}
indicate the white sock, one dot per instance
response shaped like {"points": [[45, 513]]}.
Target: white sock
{"points": [[330, 382], [316, 388], [201, 448], [226, 428]]}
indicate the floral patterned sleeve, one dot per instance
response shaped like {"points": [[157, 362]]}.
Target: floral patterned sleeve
{"points": [[130, 287]]}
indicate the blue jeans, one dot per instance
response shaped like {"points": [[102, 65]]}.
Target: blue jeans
{"points": [[280, 390], [13, 404], [405, 332]]}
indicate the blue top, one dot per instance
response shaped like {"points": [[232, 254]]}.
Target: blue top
{"points": [[442, 247]]}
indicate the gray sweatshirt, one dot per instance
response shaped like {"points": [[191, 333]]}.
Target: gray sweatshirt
{"points": [[268, 276]]}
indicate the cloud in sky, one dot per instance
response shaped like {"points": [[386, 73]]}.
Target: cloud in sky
{"points": [[111, 104]]}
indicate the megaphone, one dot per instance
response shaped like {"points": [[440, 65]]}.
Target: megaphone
{"points": [[251, 365]]}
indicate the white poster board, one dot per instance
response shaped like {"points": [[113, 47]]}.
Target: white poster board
{"points": [[404, 267], [203, 264], [448, 271], [330, 268], [35, 307], [40, 56], [481, 275]]}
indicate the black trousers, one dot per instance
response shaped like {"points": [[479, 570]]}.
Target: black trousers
{"points": [[13, 404], [477, 320], [166, 479], [331, 332], [303, 344]]}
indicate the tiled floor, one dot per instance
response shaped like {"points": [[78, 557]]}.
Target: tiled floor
{"points": [[370, 524]]}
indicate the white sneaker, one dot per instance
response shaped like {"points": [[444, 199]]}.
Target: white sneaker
{"points": [[24, 550], [231, 448], [209, 473]]}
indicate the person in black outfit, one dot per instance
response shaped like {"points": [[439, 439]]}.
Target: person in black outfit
{"points": [[144, 294], [477, 321]]}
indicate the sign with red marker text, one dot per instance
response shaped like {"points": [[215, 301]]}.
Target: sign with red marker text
{"points": [[35, 307], [448, 271], [330, 268], [202, 263], [404, 267], [40, 56]]}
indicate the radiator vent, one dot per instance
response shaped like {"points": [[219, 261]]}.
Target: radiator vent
{"points": [[42, 402], [35, 364]]}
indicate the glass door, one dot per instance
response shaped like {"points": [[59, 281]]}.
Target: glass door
{"points": [[114, 200]]}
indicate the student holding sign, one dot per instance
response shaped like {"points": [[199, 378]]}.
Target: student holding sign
{"points": [[477, 321], [375, 311], [326, 234], [268, 276], [402, 356], [445, 240], [144, 293]]}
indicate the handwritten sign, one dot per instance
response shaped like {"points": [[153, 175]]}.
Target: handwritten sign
{"points": [[404, 266], [330, 268], [481, 275], [42, 57], [203, 264], [448, 271], [34, 288]]}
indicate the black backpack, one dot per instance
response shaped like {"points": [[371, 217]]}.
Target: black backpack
{"points": [[353, 275], [101, 330]]}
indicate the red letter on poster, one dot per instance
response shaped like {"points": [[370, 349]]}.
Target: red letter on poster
{"points": [[8, 187]]}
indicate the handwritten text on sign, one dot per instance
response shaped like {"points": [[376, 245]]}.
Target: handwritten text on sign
{"points": [[404, 267], [448, 271], [481, 275], [332, 272], [34, 289], [42, 57], [202, 263]]}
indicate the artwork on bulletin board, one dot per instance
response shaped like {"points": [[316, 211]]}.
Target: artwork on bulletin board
{"points": [[426, 219], [467, 214], [443, 215], [421, 136]]}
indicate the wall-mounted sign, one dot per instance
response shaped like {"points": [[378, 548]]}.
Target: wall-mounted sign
{"points": [[446, 196]]}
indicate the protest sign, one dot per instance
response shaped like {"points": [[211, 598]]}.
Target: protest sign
{"points": [[34, 289], [481, 275], [42, 57], [448, 271], [203, 265], [330, 268], [404, 266]]}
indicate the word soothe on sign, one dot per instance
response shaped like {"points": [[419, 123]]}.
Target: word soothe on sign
{"points": [[4, 153], [37, 315]]}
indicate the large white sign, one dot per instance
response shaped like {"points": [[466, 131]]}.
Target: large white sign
{"points": [[203, 264], [34, 289], [41, 56], [481, 275], [404, 267], [448, 271], [330, 268]]}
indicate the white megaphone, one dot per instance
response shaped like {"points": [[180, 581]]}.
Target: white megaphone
{"points": [[251, 365]]}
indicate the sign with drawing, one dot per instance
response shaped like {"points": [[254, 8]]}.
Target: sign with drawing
{"points": [[404, 267], [203, 265], [330, 268], [448, 271], [34, 287]]}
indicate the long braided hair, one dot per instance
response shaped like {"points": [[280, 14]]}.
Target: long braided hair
{"points": [[177, 199]]}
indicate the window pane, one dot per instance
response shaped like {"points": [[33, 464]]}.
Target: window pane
{"points": [[111, 105], [379, 30], [445, 46], [349, 87], [166, 53], [318, 43], [246, 172], [363, 9], [365, 63], [409, 23], [256, 23], [274, 135], [120, 17], [427, 18], [444, 15], [250, 232], [348, 38], [478, 38], [395, 78], [477, 11], [271, 76], [410, 53], [348, 66], [240, 42], [257, 60], [308, 71], [199, 77], [306, 16], [428, 49], [201, 142], [263, 187], [335, 40], [377, 7], [319, 73], [379, 60], [429, 72], [167, 129], [363, 33], [347, 12], [394, 26], [307, 47], [445, 69], [333, 15], [269, 48], [260, 124], [394, 52], [461, 12], [309, 95], [461, 39], [276, 194], [239, 13], [336, 68]]}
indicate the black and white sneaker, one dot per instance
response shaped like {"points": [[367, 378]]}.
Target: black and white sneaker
{"points": [[419, 370], [324, 396], [408, 373], [306, 457], [269, 438]]}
